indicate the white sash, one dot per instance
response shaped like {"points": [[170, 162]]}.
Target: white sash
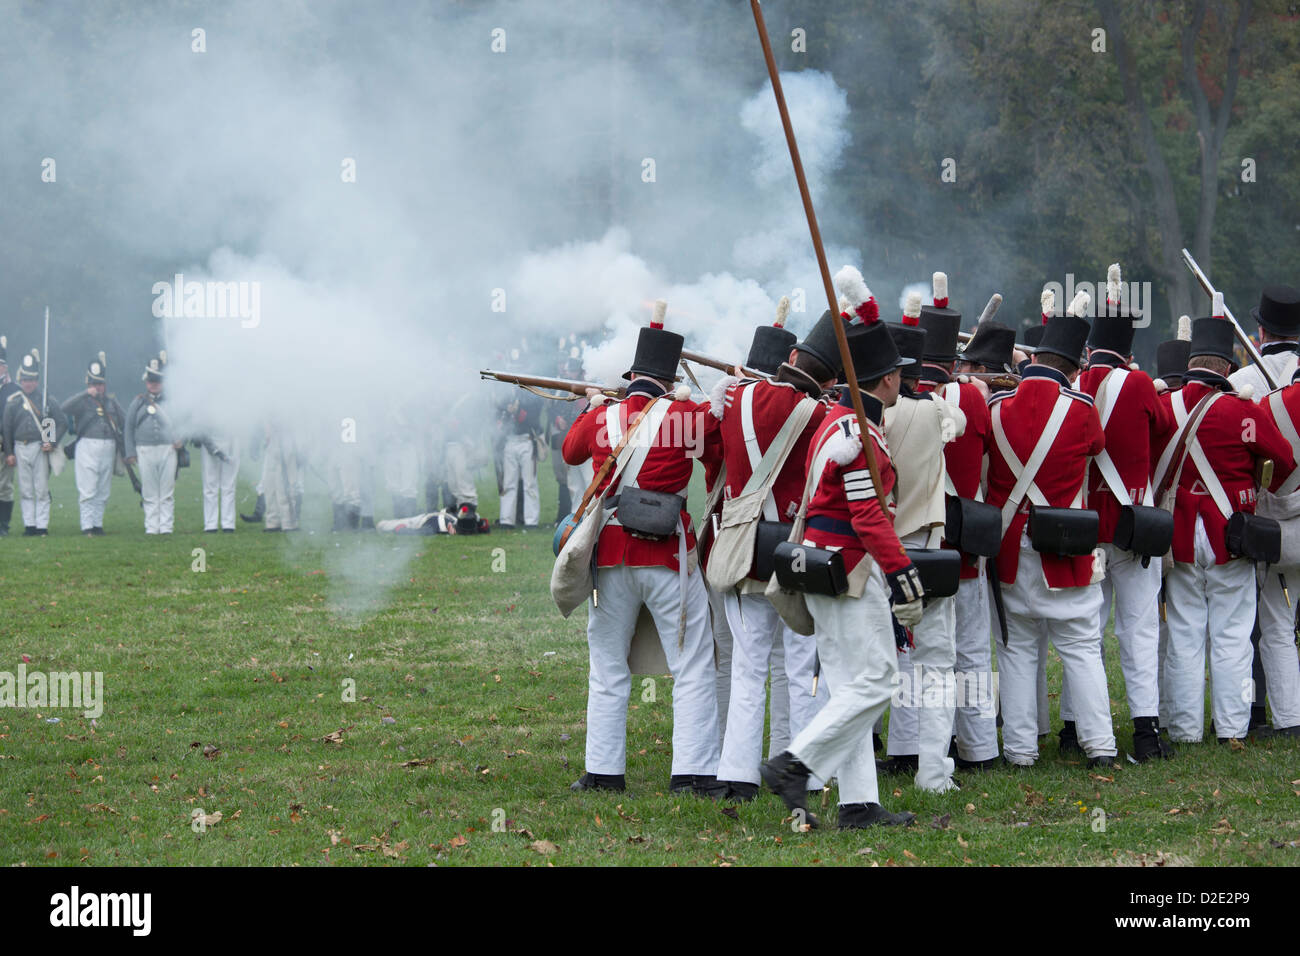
{"points": [[1027, 472]]}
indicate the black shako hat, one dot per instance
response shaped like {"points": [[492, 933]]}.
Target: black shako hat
{"points": [[658, 354], [1171, 358], [1066, 336], [910, 342], [1114, 333], [770, 348], [153, 372], [821, 344], [991, 345], [97, 370], [1033, 335], [658, 351], [30, 367], [941, 327], [1212, 336], [1279, 310], [873, 351]]}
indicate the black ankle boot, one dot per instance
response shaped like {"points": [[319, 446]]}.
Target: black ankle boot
{"points": [[1146, 739], [1069, 738], [259, 512], [6, 513], [616, 782], [859, 816], [788, 779], [903, 763], [740, 791]]}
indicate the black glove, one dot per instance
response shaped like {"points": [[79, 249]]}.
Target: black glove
{"points": [[905, 585]]}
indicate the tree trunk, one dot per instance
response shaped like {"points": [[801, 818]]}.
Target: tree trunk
{"points": [[1169, 266]]}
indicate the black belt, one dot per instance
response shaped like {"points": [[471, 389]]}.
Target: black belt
{"points": [[832, 525]]}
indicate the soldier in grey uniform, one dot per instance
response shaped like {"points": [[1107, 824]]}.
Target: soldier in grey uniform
{"points": [[7, 388], [27, 442], [99, 422], [151, 440]]}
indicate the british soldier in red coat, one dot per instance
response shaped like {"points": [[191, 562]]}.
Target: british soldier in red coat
{"points": [[854, 631], [989, 350], [749, 414], [1048, 430], [1134, 421], [636, 568], [1211, 462]]}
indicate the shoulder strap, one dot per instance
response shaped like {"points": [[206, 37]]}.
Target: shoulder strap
{"points": [[1107, 399], [1286, 425], [1026, 473], [764, 470], [1177, 444], [617, 456]]}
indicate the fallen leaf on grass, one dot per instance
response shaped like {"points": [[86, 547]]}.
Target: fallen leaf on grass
{"points": [[337, 736], [457, 841], [544, 847], [909, 854], [418, 762], [731, 812], [1175, 810], [941, 823], [208, 819], [1222, 827], [1097, 776], [962, 843], [1236, 744]]}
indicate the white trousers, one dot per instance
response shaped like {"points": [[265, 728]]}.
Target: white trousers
{"points": [[219, 488], [720, 628], [609, 636], [976, 721], [459, 477], [579, 478], [778, 720], [94, 469], [924, 704], [1134, 591], [33, 469], [1205, 602], [1277, 648], [756, 630], [518, 465], [344, 473], [157, 485], [1069, 616], [402, 470], [280, 480], [855, 638]]}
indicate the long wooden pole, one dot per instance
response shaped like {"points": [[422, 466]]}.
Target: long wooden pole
{"points": [[841, 339]]}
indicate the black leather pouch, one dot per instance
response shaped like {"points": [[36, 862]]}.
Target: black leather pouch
{"points": [[801, 567], [1066, 532]]}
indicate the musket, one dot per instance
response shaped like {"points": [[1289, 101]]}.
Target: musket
{"points": [[533, 383], [841, 338], [699, 358], [1238, 331], [995, 301], [1002, 380]]}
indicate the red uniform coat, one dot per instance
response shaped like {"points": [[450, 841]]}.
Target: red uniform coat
{"points": [[1024, 415], [667, 468], [964, 455], [1237, 435], [772, 404], [1138, 423], [844, 512], [1291, 402]]}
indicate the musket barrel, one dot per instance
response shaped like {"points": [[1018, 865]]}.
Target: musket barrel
{"points": [[1204, 281]]}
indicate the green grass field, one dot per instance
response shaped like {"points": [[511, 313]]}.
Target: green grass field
{"points": [[228, 691]]}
